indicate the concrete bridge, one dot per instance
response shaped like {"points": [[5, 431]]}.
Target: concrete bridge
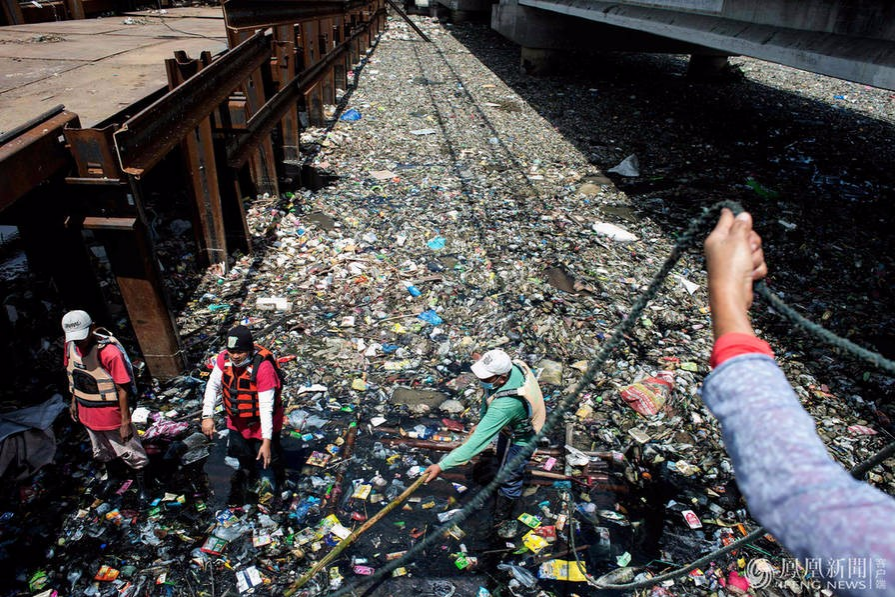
{"points": [[847, 39]]}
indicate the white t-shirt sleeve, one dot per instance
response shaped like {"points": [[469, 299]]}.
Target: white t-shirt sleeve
{"points": [[265, 407], [212, 392]]}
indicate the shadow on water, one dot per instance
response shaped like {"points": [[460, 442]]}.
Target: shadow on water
{"points": [[304, 176], [815, 174], [220, 475]]}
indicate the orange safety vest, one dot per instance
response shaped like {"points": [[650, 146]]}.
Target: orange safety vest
{"points": [[240, 392], [88, 381]]}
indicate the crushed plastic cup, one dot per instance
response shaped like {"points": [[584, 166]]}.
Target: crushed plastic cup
{"points": [[523, 576]]}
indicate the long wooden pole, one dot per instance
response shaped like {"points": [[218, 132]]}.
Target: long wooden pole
{"points": [[352, 538], [335, 494], [462, 437]]}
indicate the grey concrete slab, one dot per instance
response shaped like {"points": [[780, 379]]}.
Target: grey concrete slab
{"points": [[156, 54], [75, 47], [189, 27], [85, 26], [8, 36], [857, 49], [101, 67], [94, 91]]}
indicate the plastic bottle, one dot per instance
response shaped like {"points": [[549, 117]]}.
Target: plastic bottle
{"points": [[413, 290]]}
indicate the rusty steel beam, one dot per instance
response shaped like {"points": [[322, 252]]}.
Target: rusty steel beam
{"points": [[76, 9], [106, 223], [266, 118], [264, 161], [94, 153], [286, 69], [133, 263], [199, 159], [33, 155], [12, 11], [146, 138], [23, 128], [257, 14]]}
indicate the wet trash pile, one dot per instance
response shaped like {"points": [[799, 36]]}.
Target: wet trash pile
{"points": [[456, 220]]}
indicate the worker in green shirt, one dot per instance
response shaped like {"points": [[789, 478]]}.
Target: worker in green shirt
{"points": [[512, 410]]}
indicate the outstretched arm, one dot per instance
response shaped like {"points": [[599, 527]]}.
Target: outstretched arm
{"points": [[735, 260], [494, 420], [791, 484]]}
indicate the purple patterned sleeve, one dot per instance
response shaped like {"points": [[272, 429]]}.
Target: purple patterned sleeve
{"points": [[810, 503]]}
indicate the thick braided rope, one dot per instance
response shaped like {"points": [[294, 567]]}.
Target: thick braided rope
{"points": [[685, 242], [821, 333]]}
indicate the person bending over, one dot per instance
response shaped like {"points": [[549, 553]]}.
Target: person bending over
{"points": [[512, 411]]}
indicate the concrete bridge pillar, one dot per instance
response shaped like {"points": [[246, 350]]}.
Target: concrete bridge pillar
{"points": [[706, 66], [540, 61], [464, 16]]}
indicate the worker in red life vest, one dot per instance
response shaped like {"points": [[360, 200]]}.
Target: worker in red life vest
{"points": [[247, 377], [101, 380]]}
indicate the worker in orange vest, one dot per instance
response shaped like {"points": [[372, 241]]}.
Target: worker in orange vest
{"points": [[246, 376]]}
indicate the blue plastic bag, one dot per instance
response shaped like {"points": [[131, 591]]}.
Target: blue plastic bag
{"points": [[351, 115], [430, 316], [436, 243]]}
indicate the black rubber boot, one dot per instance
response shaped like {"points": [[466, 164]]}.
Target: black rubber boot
{"points": [[110, 477], [101, 476], [505, 524], [142, 490], [239, 488]]}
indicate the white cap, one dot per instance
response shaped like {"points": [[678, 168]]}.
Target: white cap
{"points": [[493, 362], [76, 325]]}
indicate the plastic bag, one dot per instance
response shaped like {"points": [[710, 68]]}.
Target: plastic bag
{"points": [[648, 396], [613, 232], [551, 372], [436, 243], [522, 575], [430, 316], [630, 166], [302, 419]]}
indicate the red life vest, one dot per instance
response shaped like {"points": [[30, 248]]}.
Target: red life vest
{"points": [[240, 392]]}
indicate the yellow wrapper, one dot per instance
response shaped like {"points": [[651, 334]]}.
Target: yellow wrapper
{"points": [[563, 570], [534, 542]]}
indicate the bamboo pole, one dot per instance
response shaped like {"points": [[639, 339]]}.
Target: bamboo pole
{"points": [[348, 450], [462, 437], [352, 538]]}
